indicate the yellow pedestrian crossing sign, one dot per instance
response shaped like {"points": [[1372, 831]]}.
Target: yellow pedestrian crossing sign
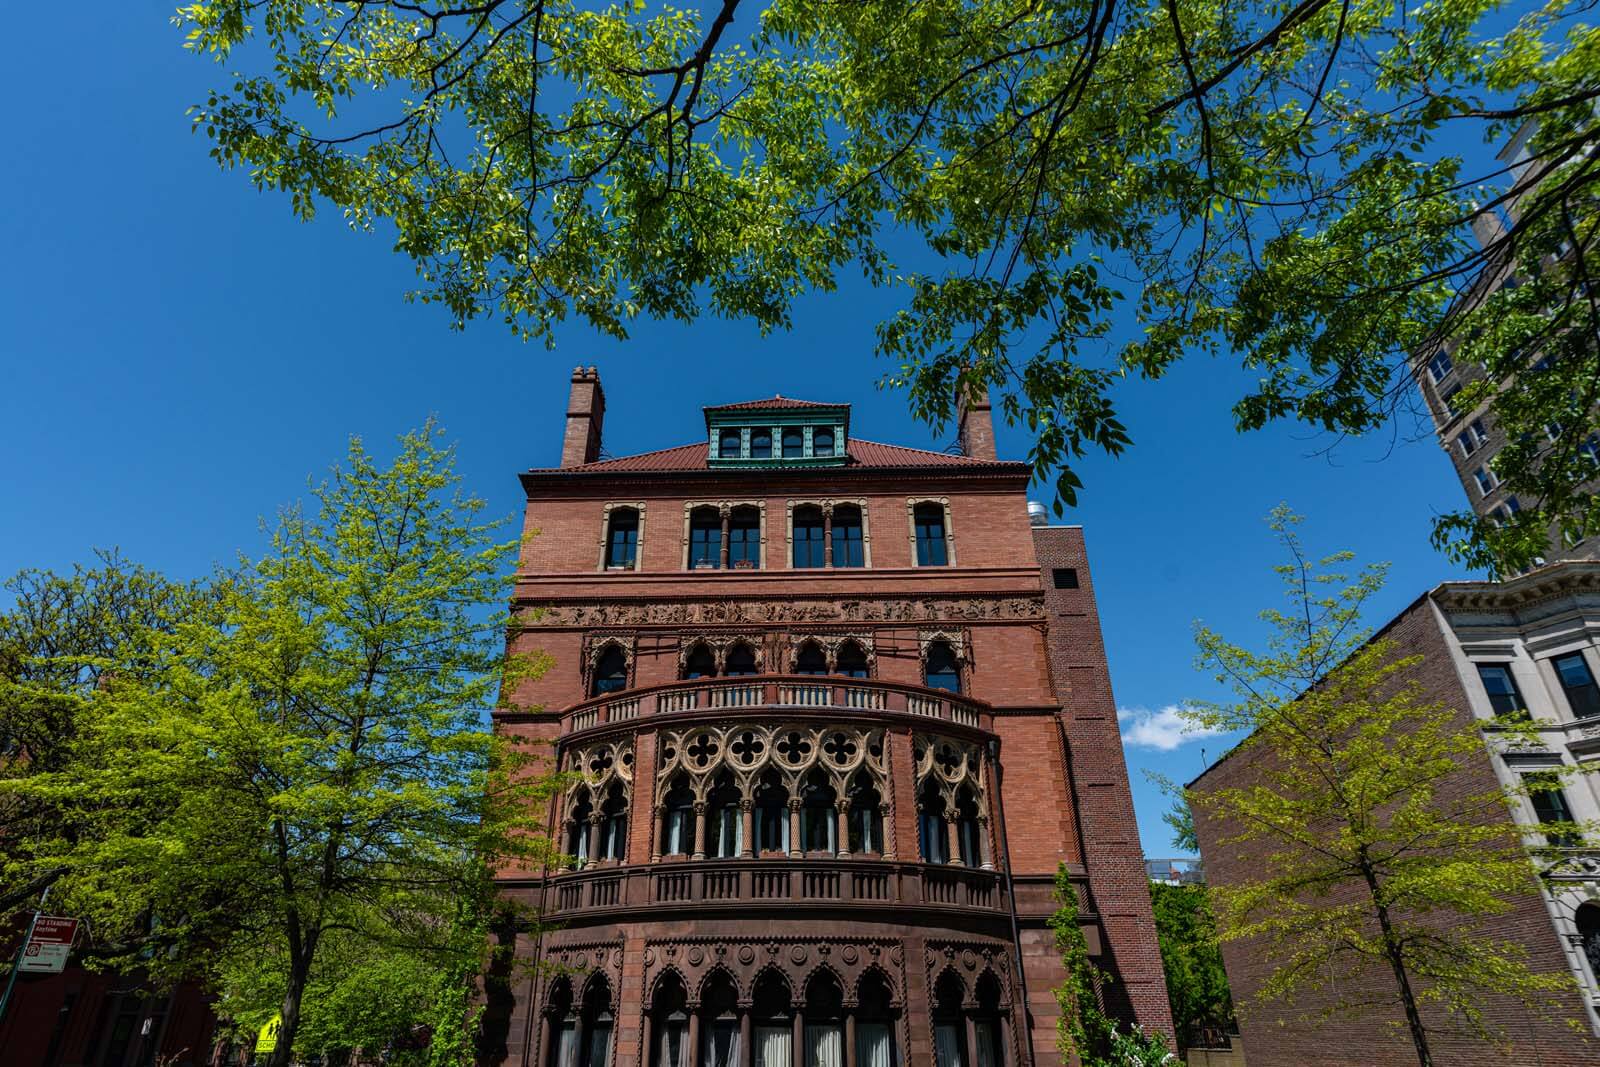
{"points": [[267, 1040]]}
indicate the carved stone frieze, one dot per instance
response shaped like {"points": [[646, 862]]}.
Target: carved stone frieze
{"points": [[693, 961], [575, 965], [746, 751], [725, 612]]}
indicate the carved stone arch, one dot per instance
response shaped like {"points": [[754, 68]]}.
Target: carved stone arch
{"points": [[754, 644], [774, 967], [864, 641], [988, 970], [949, 764], [600, 765], [956, 639], [846, 988], [687, 648], [598, 643], [936, 975], [949, 526], [552, 1006], [896, 995], [574, 800], [605, 529], [593, 976], [668, 971], [799, 641], [739, 992]]}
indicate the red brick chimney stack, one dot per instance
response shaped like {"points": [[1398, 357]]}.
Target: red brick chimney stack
{"points": [[975, 425], [586, 413]]}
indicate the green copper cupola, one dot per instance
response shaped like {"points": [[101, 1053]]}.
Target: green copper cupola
{"points": [[778, 432]]}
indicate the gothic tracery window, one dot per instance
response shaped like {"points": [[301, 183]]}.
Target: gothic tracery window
{"points": [[610, 672], [811, 659], [740, 660], [941, 669], [851, 660], [700, 662], [677, 822]]}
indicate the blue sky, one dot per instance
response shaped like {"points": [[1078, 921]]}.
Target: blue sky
{"points": [[178, 355]]}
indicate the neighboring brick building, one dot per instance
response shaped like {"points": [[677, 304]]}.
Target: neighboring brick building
{"points": [[839, 711], [1486, 648]]}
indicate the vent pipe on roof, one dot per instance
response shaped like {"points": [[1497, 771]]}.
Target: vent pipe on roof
{"points": [[1038, 514]]}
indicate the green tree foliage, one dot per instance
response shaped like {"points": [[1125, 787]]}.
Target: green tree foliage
{"points": [[1367, 858], [296, 790], [1084, 1030], [1091, 191], [1191, 957]]}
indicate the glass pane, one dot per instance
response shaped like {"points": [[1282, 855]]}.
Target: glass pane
{"points": [[1579, 684], [931, 548], [821, 442], [1501, 688], [729, 446], [794, 444], [824, 1046], [705, 542], [599, 1050], [808, 540], [947, 1046], [744, 541], [567, 1045], [773, 1045], [847, 545], [874, 1047], [760, 444]]}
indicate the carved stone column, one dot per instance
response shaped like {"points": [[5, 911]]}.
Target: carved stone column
{"points": [[796, 846], [747, 820], [850, 1036], [972, 1035], [660, 833], [726, 514], [594, 839], [699, 830], [827, 534], [843, 841], [952, 826], [694, 1033], [797, 1043], [985, 846], [746, 1038]]}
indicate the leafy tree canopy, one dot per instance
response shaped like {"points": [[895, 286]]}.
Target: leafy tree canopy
{"points": [[1087, 191]]}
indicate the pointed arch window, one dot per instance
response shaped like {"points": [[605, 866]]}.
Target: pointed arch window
{"points": [[819, 818], [740, 661], [719, 1023], [866, 815], [700, 663], [824, 1020], [811, 660], [849, 550], [622, 539], [724, 821], [614, 824], [677, 820], [942, 670], [610, 672], [773, 1027], [669, 1021], [949, 1038], [772, 815], [967, 828], [578, 830], [851, 660], [989, 1024], [874, 1022], [933, 831]]}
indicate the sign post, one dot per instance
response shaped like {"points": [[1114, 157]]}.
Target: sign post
{"points": [[43, 951]]}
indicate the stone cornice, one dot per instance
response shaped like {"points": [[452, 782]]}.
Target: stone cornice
{"points": [[1548, 583]]}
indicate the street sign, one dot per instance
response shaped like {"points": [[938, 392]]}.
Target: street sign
{"points": [[49, 945], [267, 1040]]}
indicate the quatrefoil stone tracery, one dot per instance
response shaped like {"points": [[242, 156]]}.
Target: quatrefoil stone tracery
{"points": [[791, 750]]}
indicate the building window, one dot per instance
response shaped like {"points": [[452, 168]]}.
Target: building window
{"points": [[851, 660], [933, 832], [1439, 366], [932, 550], [1472, 438], [949, 1029], [740, 661], [614, 825], [730, 444], [719, 1022], [700, 663], [1583, 697], [744, 539], [761, 443], [875, 1022], [578, 831], [824, 1021], [705, 539], [1504, 696], [794, 443], [771, 815], [724, 822], [1551, 808], [1590, 449], [610, 672], [866, 816], [822, 442], [669, 1021], [582, 1037], [989, 1023], [772, 1027], [942, 670], [967, 828], [1449, 399], [622, 539], [811, 659], [677, 821], [849, 550], [1485, 479], [1064, 577], [819, 818], [1513, 505], [1588, 922], [808, 547]]}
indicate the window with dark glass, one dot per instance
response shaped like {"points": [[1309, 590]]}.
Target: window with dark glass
{"points": [[866, 816], [772, 1029], [875, 1045], [700, 663], [933, 834], [989, 1024], [622, 538], [821, 442], [719, 1023], [931, 548], [819, 820], [610, 672], [848, 547], [1439, 365], [851, 661], [967, 828], [1582, 695], [1064, 577], [740, 661], [1504, 696], [730, 444], [949, 1027], [614, 825], [669, 1023], [808, 537], [942, 670], [744, 539], [1551, 807], [705, 539], [677, 829], [578, 831], [824, 1017], [1587, 919], [771, 815], [724, 824], [811, 659], [794, 443], [761, 443]]}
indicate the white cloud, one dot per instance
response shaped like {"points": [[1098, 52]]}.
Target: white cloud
{"points": [[1163, 730]]}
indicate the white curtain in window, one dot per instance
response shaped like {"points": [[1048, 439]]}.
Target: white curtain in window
{"points": [[670, 1052], [947, 1045], [773, 1045], [869, 843], [985, 1035], [567, 1044], [721, 1043], [581, 852], [677, 830], [824, 1046], [599, 1044], [729, 831], [874, 1047]]}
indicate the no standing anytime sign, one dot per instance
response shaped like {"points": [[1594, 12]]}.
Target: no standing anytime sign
{"points": [[49, 945]]}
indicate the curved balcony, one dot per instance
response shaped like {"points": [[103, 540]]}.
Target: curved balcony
{"points": [[740, 885], [790, 692]]}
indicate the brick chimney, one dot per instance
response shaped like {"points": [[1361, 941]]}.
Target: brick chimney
{"points": [[586, 413], [974, 425]]}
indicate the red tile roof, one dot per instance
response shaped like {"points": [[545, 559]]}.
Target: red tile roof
{"points": [[779, 402], [692, 457]]}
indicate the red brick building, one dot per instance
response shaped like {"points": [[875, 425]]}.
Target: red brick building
{"points": [[839, 711], [1486, 649]]}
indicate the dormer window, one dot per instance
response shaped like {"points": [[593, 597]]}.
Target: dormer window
{"points": [[779, 432], [822, 442], [794, 443], [761, 443], [730, 443]]}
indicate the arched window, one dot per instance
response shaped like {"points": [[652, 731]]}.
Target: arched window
{"points": [[866, 815], [705, 539], [669, 1023], [580, 1034], [933, 832], [564, 1035], [874, 1022], [808, 537], [761, 443], [744, 539], [848, 547], [794, 443], [988, 1024], [773, 1023], [622, 538], [719, 1022], [1588, 919], [700, 663], [729, 445], [932, 550], [741, 661], [949, 1037], [610, 672], [578, 830], [942, 670], [811, 659], [772, 815], [598, 1023], [724, 822], [614, 824], [822, 441], [677, 821], [851, 660], [824, 1021], [967, 827], [819, 815]]}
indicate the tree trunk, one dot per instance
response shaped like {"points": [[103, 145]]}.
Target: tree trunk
{"points": [[1391, 949], [289, 1015]]}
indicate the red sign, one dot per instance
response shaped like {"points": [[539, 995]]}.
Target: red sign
{"points": [[49, 944]]}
